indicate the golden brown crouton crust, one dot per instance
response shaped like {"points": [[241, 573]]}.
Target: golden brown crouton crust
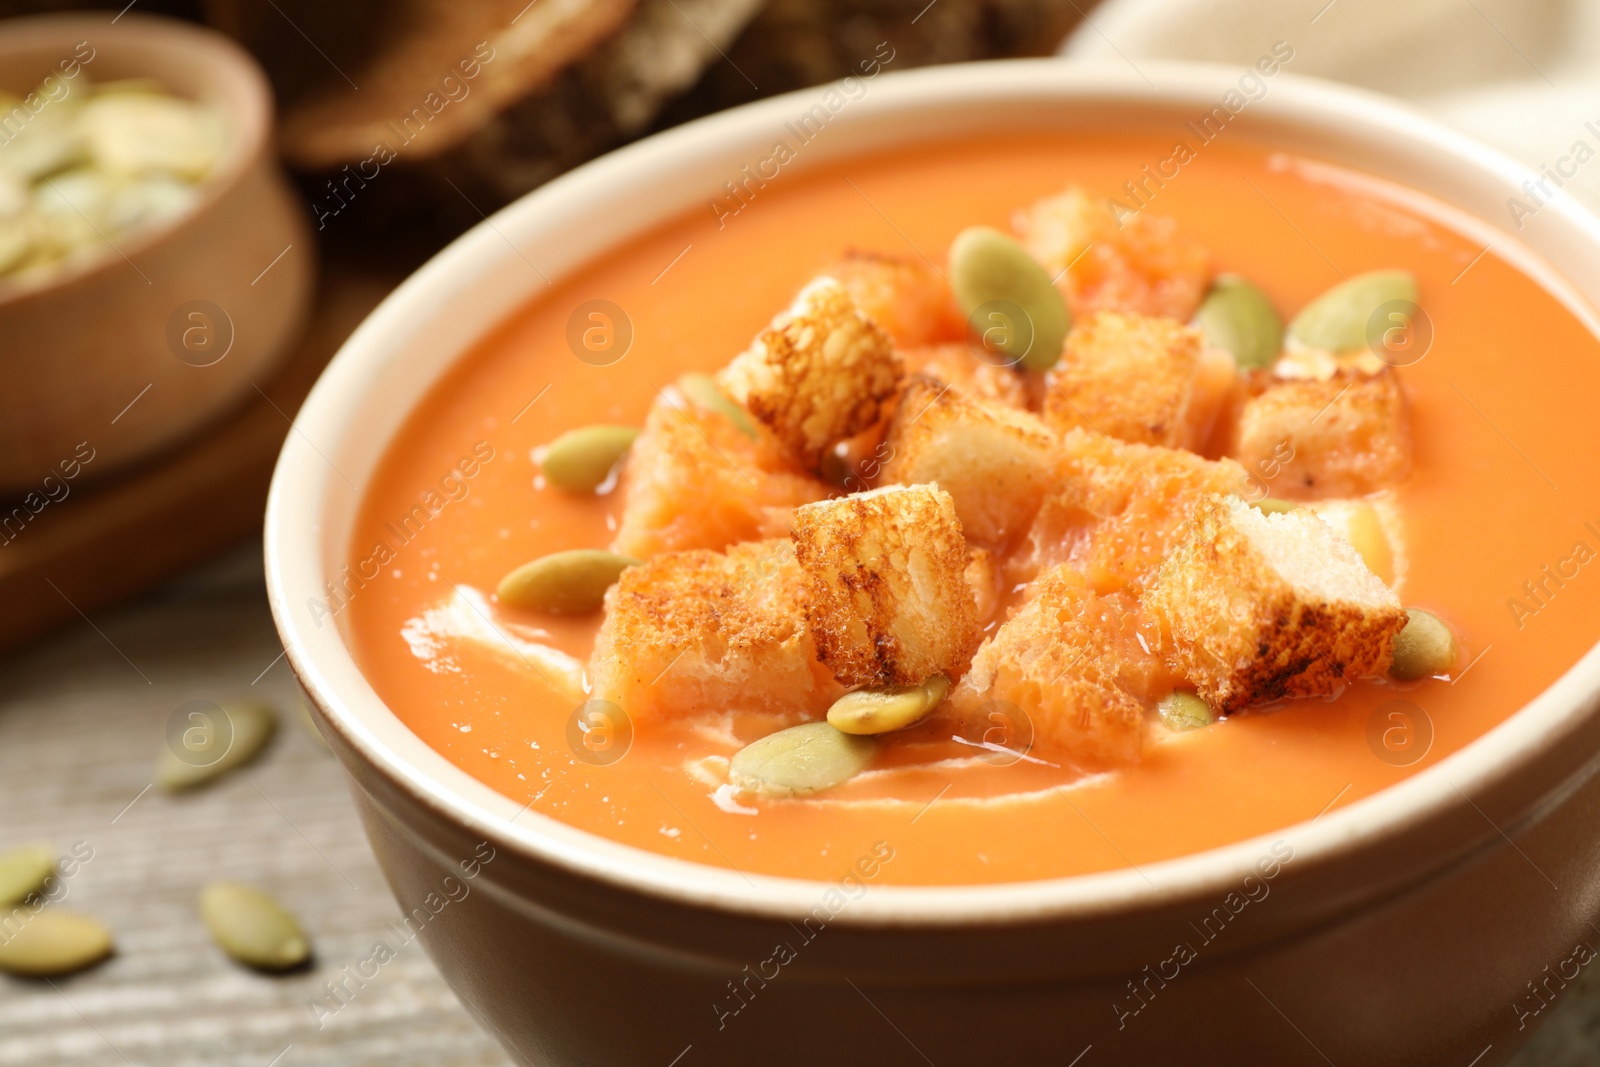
{"points": [[1308, 439], [818, 374], [694, 480], [701, 631], [888, 599], [1132, 377], [1232, 625], [1069, 660], [1139, 263], [905, 296], [995, 461], [955, 364], [1118, 509]]}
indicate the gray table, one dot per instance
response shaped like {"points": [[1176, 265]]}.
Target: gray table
{"points": [[81, 718]]}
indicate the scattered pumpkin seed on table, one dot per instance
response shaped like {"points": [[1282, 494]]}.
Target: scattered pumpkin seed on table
{"points": [[1237, 316], [50, 942], [564, 583], [987, 268], [880, 710], [252, 927], [581, 460], [800, 760], [251, 727], [1337, 321], [23, 871]]}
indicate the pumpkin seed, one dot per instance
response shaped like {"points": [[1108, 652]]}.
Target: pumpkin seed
{"points": [[878, 711], [1337, 321], [252, 927], [1008, 299], [581, 461], [564, 583], [1271, 505], [208, 749], [703, 392], [1424, 648], [24, 871], [802, 759], [52, 942], [1238, 316], [1184, 711]]}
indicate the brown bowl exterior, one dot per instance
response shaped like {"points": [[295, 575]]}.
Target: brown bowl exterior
{"points": [[116, 358]]}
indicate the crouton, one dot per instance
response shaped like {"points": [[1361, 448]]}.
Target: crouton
{"points": [[1114, 259], [1071, 662], [1347, 436], [959, 365], [888, 601], [702, 631], [693, 479], [983, 578], [1117, 509], [818, 374], [1254, 607], [1139, 378], [995, 461], [908, 298]]}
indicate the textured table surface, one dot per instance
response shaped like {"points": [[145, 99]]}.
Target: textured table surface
{"points": [[82, 715]]}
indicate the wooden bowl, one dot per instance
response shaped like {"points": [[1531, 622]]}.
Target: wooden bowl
{"points": [[123, 354]]}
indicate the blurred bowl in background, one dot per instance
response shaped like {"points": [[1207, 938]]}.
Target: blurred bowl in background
{"points": [[119, 354]]}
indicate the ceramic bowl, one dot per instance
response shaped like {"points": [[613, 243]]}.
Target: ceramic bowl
{"points": [[1403, 928], [126, 352]]}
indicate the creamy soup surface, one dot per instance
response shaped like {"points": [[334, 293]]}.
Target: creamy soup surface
{"points": [[1500, 518]]}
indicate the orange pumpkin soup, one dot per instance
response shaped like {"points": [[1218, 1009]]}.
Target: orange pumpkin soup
{"points": [[1490, 519]]}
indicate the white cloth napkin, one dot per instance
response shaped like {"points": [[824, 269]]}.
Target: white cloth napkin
{"points": [[1522, 75]]}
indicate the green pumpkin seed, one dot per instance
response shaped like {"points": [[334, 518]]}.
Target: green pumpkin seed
{"points": [[1184, 711], [564, 583], [1238, 316], [208, 750], [705, 393], [802, 759], [581, 461], [23, 871], [1337, 321], [1425, 647], [252, 927], [878, 711], [1271, 505], [51, 942], [994, 279]]}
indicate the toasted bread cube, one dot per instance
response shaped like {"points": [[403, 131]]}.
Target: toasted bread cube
{"points": [[995, 461], [983, 578], [907, 297], [1255, 607], [1070, 663], [1304, 439], [960, 365], [694, 480], [818, 374], [1139, 378], [1114, 259], [700, 631], [888, 601], [1118, 509]]}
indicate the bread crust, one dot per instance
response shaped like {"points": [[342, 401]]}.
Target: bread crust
{"points": [[887, 598]]}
